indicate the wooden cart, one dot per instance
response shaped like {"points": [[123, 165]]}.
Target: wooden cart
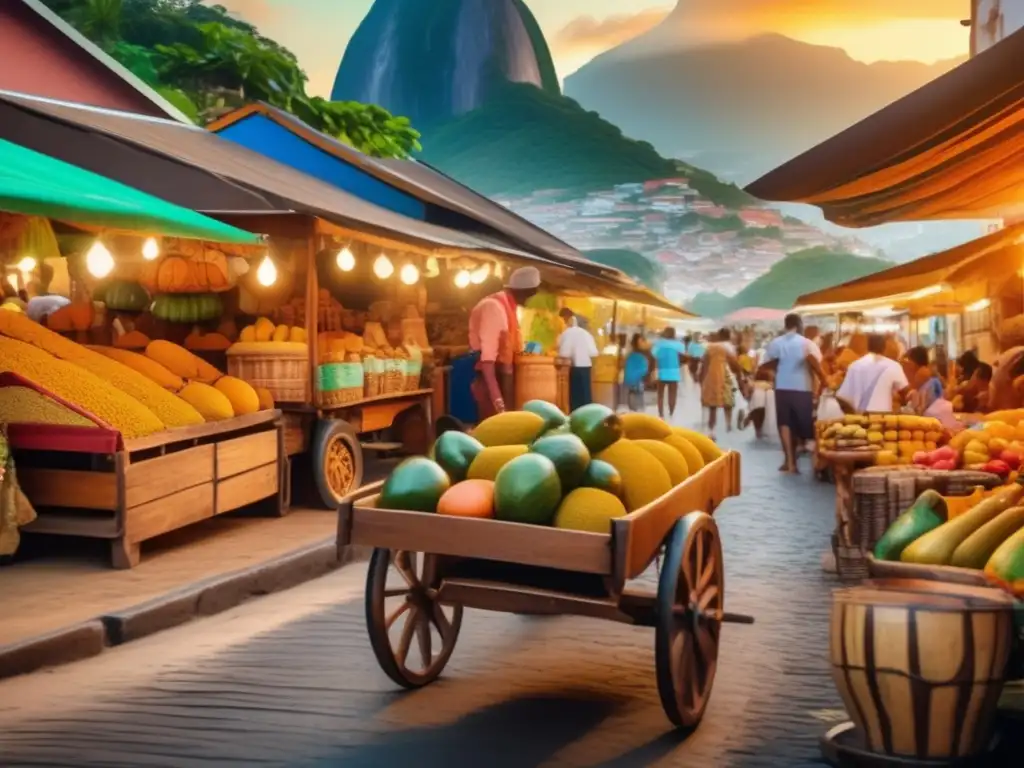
{"points": [[442, 565]]}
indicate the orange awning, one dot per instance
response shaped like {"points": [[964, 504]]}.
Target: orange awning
{"points": [[953, 149], [952, 276]]}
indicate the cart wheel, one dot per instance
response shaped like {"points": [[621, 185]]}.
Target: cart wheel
{"points": [[406, 609], [337, 461], [691, 592]]}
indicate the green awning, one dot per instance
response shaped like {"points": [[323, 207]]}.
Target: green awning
{"points": [[37, 185]]}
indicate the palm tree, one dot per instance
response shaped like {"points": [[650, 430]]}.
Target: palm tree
{"points": [[99, 20]]}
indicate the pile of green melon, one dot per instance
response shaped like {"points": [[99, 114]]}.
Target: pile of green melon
{"points": [[542, 467]]}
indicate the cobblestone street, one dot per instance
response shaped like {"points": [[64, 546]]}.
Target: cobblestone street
{"points": [[290, 680]]}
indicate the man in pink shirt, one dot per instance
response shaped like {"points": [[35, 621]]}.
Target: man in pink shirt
{"points": [[494, 336]]}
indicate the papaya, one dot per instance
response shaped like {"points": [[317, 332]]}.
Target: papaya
{"points": [[470, 498], [604, 477], [527, 490], [489, 461], [455, 452], [928, 512], [569, 455], [644, 426], [669, 457], [644, 478], [589, 509], [552, 415], [937, 546], [708, 450], [976, 550], [416, 485], [509, 428], [598, 426], [694, 459], [1006, 566]]}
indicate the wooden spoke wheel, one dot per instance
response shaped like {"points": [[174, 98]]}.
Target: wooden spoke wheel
{"points": [[691, 592], [337, 461], [402, 610]]}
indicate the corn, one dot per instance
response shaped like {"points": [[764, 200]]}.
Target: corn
{"points": [[21, 405], [70, 382], [171, 410], [151, 369]]}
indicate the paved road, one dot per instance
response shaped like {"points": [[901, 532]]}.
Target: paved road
{"points": [[289, 680]]}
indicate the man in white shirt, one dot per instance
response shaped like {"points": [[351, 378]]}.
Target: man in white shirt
{"points": [[872, 380], [578, 347]]}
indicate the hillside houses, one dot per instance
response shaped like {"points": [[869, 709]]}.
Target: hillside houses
{"points": [[700, 246]]}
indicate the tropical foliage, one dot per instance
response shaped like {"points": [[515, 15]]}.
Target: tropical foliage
{"points": [[798, 273], [207, 63]]}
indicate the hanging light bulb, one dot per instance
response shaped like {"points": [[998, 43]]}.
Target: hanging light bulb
{"points": [[346, 260], [480, 274], [433, 268], [99, 261], [383, 268], [27, 264], [409, 274], [497, 270], [150, 249], [266, 275], [462, 278]]}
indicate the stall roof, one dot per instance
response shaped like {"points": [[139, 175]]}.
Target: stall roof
{"points": [[920, 276], [36, 185], [953, 149], [190, 166], [421, 181]]}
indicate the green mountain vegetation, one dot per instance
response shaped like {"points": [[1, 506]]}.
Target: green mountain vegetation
{"points": [[207, 63], [796, 274], [524, 139]]}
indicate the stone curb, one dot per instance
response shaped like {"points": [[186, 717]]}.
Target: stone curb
{"points": [[204, 598]]}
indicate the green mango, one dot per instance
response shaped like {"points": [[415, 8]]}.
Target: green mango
{"points": [[927, 513], [415, 485]]}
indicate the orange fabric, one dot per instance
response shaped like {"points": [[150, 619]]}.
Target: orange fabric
{"points": [[494, 329]]}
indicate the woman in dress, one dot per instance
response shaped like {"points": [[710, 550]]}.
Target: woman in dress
{"points": [[717, 388]]}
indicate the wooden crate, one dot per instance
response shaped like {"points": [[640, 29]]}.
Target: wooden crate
{"points": [[158, 483]]}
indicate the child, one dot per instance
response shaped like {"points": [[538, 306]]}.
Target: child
{"points": [[635, 370]]}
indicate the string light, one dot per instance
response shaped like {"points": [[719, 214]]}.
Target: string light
{"points": [[383, 268], [27, 264], [433, 268], [98, 261], [480, 274], [346, 260], [409, 274], [150, 249], [462, 279], [266, 275]]}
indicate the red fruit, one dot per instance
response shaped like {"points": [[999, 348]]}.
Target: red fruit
{"points": [[923, 459], [996, 467], [944, 464], [1011, 459], [945, 453]]}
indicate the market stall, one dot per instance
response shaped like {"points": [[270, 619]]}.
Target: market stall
{"points": [[119, 434]]}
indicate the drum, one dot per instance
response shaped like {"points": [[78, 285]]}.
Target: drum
{"points": [[920, 665]]}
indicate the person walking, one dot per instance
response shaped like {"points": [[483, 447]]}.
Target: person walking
{"points": [[717, 389], [635, 371], [578, 347], [668, 354], [797, 361], [873, 381]]}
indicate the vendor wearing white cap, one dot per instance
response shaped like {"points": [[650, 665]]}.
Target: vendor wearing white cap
{"points": [[494, 335]]}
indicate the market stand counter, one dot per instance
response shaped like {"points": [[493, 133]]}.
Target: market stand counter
{"points": [[90, 482]]}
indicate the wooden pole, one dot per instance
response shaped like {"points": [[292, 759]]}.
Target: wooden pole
{"points": [[618, 354], [312, 315]]}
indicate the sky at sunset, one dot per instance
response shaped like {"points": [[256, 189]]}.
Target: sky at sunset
{"points": [[577, 30]]}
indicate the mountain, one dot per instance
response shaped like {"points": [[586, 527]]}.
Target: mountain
{"points": [[793, 276], [524, 139], [737, 108], [431, 60]]}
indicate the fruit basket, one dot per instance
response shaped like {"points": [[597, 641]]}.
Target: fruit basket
{"points": [[446, 563]]}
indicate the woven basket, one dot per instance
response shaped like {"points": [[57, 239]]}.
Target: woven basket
{"points": [[285, 374]]}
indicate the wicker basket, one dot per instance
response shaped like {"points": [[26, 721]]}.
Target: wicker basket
{"points": [[881, 494], [285, 374]]}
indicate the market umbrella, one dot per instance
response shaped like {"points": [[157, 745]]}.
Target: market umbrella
{"points": [[37, 185]]}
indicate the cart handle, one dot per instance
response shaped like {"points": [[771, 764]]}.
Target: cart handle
{"points": [[362, 493]]}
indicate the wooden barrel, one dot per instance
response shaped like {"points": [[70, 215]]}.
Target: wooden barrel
{"points": [[536, 379], [920, 665]]}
